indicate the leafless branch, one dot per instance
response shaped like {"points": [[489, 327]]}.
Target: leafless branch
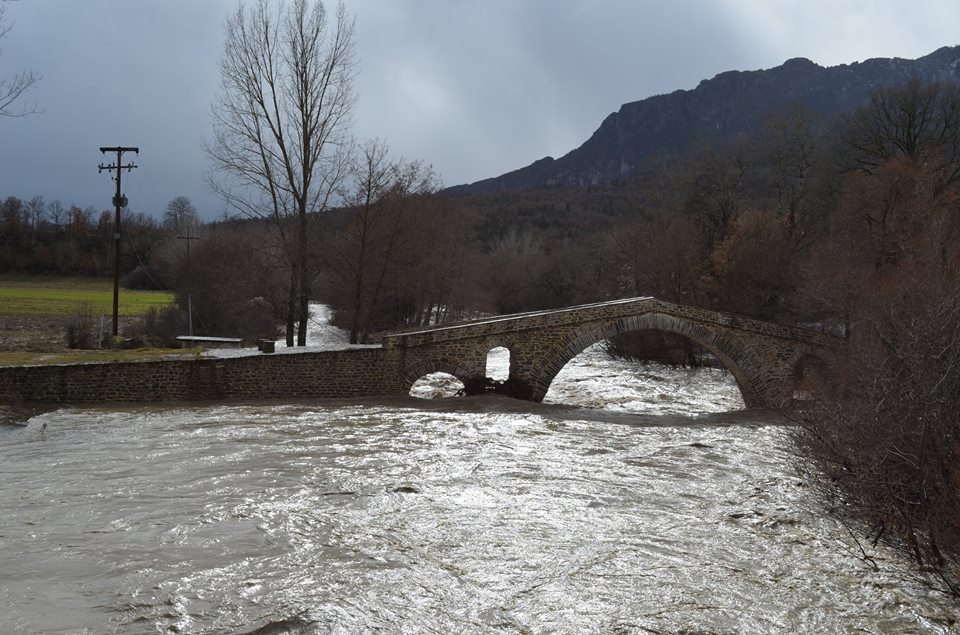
{"points": [[13, 88]]}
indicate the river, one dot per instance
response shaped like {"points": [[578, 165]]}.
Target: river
{"points": [[644, 500]]}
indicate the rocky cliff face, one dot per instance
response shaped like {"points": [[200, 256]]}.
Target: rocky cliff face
{"points": [[731, 103]]}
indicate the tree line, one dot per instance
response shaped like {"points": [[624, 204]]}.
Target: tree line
{"points": [[37, 236]]}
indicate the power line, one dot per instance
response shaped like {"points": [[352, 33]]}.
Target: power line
{"points": [[155, 190], [146, 195]]}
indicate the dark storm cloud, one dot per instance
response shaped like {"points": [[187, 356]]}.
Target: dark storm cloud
{"points": [[505, 83], [475, 88]]}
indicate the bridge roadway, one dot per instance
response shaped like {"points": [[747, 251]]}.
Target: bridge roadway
{"points": [[764, 359]]}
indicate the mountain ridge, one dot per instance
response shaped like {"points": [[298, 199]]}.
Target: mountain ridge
{"points": [[730, 103]]}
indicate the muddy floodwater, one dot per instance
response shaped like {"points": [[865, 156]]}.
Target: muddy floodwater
{"points": [[642, 500]]}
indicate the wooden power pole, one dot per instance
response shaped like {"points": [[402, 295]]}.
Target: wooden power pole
{"points": [[188, 238], [119, 200]]}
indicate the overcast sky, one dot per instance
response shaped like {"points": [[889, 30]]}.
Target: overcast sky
{"points": [[474, 87]]}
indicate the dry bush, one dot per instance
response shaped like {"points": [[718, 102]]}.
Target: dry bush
{"points": [[884, 436], [157, 328], [81, 328]]}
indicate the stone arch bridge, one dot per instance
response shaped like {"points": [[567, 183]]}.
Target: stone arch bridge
{"points": [[763, 357]]}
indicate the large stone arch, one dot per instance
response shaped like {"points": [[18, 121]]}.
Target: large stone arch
{"points": [[729, 349]]}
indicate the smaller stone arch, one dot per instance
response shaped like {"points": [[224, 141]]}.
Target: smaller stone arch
{"points": [[421, 369], [487, 369], [732, 353]]}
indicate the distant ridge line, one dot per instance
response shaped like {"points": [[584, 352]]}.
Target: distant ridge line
{"points": [[729, 104]]}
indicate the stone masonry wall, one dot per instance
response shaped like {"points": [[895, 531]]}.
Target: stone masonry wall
{"points": [[349, 373]]}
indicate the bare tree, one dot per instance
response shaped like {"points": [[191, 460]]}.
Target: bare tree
{"points": [[791, 153], [13, 88], [372, 171], [716, 190], [382, 192], [882, 436], [57, 214], [281, 122], [36, 208], [181, 216], [918, 121], [751, 269]]}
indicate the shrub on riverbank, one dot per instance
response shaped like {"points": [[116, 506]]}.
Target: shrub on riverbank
{"points": [[884, 434], [81, 328], [157, 328]]}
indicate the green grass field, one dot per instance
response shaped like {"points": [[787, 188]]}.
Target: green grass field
{"points": [[59, 296], [34, 309]]}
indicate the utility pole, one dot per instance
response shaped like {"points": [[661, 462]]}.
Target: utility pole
{"points": [[188, 238], [119, 200]]}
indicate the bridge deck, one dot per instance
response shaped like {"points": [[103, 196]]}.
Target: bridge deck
{"points": [[515, 316], [645, 303]]}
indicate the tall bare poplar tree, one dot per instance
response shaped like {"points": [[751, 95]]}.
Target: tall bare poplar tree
{"points": [[281, 124]]}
